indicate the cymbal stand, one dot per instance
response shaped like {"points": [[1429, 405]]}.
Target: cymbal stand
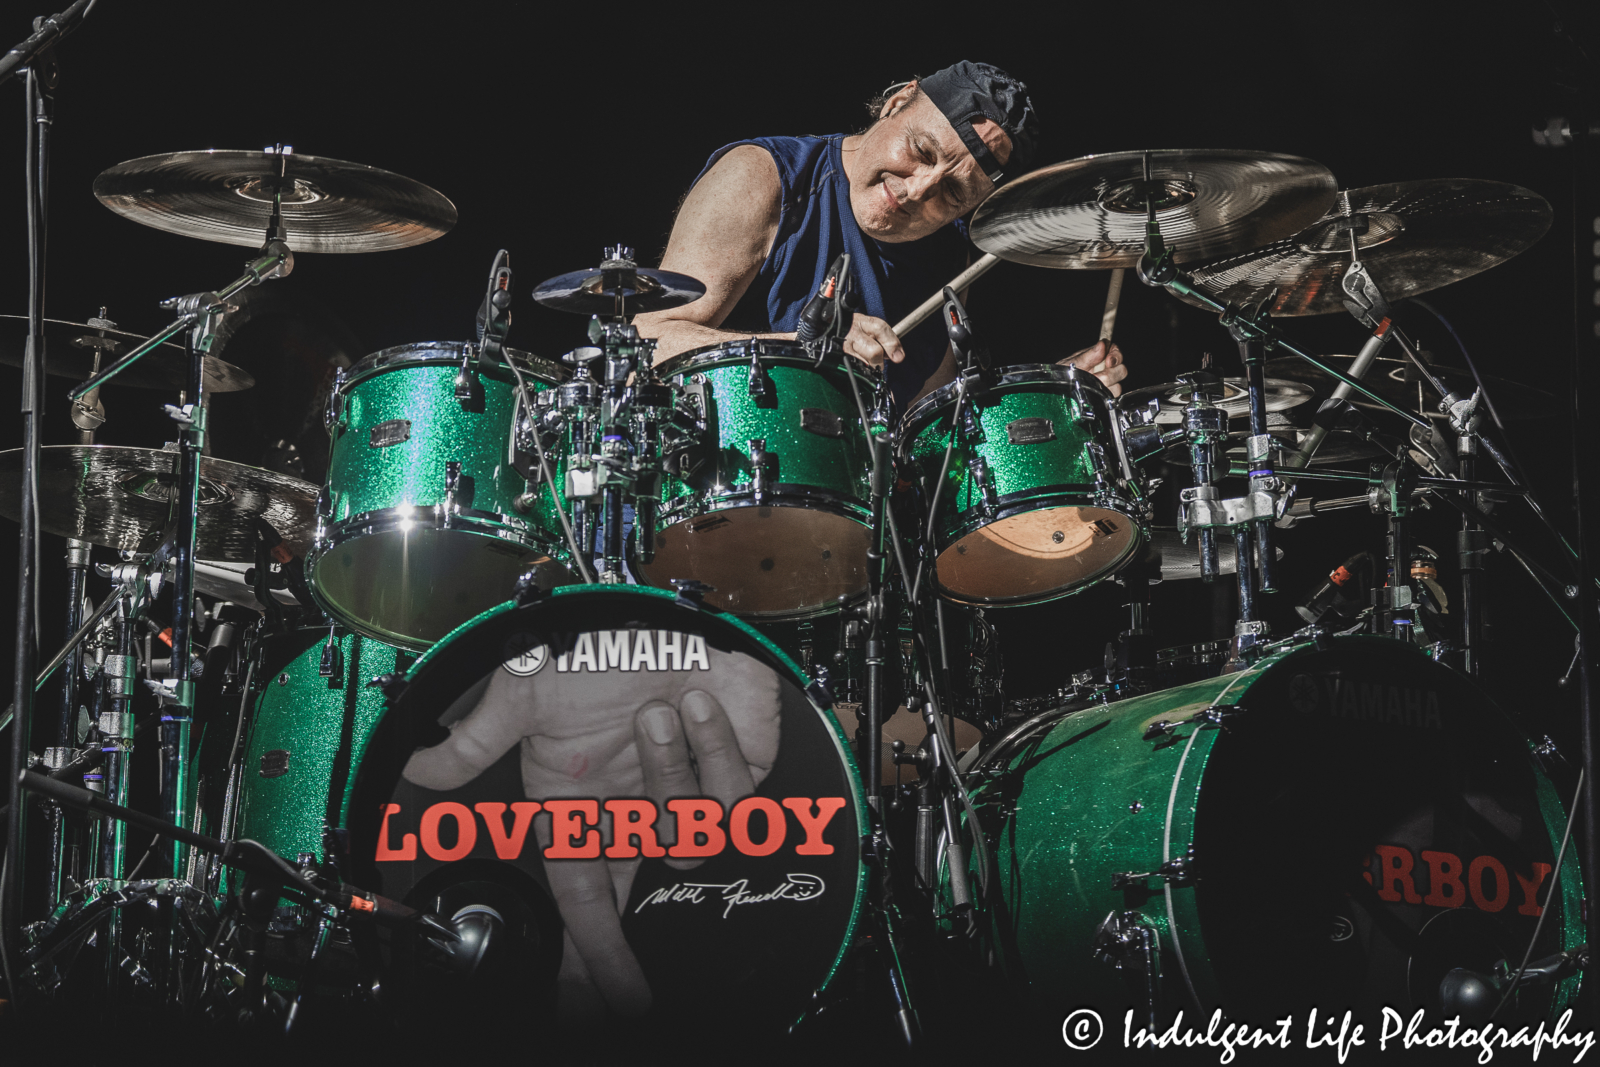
{"points": [[201, 314]]}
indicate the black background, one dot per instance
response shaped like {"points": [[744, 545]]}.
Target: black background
{"points": [[559, 129]]}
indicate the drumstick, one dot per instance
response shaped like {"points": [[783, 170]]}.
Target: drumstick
{"points": [[1108, 319], [958, 283]]}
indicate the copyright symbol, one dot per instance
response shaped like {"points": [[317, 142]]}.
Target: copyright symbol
{"points": [[1082, 1029]]}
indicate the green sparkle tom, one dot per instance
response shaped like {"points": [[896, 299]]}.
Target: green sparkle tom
{"points": [[1334, 827], [1038, 499], [425, 521], [771, 509]]}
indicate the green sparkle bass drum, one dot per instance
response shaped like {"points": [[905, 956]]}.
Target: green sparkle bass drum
{"points": [[1335, 827], [653, 777], [425, 520], [771, 508], [1038, 499]]}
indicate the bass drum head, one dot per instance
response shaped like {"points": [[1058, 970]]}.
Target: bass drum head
{"points": [[518, 745], [1373, 822]]}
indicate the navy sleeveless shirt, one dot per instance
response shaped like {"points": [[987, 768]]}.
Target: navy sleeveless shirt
{"points": [[816, 225]]}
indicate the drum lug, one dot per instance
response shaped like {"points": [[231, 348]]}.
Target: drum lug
{"points": [[1178, 871], [761, 388], [469, 389], [332, 665], [459, 489], [763, 467], [335, 408], [983, 485], [392, 686]]}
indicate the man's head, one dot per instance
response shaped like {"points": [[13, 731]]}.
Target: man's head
{"points": [[937, 150]]}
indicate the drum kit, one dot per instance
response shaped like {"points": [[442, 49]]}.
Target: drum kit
{"points": [[616, 686]]}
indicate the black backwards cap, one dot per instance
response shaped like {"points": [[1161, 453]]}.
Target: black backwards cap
{"points": [[966, 91]]}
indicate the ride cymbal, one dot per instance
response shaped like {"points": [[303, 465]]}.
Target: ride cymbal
{"points": [[122, 498], [1419, 236], [328, 205], [1090, 212], [70, 349]]}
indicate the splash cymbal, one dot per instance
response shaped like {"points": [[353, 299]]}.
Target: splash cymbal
{"points": [[596, 292], [1090, 212], [1419, 236], [226, 196], [70, 349], [122, 498]]}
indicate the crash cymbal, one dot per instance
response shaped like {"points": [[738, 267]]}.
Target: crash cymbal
{"points": [[226, 196], [1090, 212], [70, 349], [595, 292], [121, 498], [1235, 400], [1388, 378], [1419, 236]]}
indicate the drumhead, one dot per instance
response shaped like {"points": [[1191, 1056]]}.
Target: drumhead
{"points": [[450, 352], [772, 352], [516, 745]]}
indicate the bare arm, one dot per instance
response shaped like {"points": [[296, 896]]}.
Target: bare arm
{"points": [[721, 236]]}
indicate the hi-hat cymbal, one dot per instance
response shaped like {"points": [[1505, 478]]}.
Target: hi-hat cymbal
{"points": [[595, 292], [1338, 447], [1419, 236], [328, 205], [1090, 212], [1235, 400], [122, 498], [1387, 378], [70, 349]]}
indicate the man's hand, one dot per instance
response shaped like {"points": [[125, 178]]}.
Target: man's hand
{"points": [[1102, 361], [872, 341]]}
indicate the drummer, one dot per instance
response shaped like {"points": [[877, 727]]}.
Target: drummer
{"points": [[767, 216]]}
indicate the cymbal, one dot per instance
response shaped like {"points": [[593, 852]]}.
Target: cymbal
{"points": [[1420, 236], [1339, 446], [328, 205], [1387, 378], [70, 348], [1212, 202], [121, 498], [1235, 400], [592, 292]]}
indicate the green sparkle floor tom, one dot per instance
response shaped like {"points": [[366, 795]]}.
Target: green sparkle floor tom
{"points": [[1039, 500], [425, 520], [311, 716], [1334, 826], [771, 508]]}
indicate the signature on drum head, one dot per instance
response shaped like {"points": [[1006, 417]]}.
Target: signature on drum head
{"points": [[794, 887]]}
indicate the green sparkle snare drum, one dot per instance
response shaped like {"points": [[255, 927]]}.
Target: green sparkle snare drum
{"points": [[1333, 827], [311, 720], [772, 508], [425, 522], [1038, 500]]}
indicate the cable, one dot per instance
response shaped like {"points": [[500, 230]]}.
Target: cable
{"points": [[938, 488], [1538, 926], [544, 470]]}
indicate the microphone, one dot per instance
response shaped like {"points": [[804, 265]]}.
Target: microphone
{"points": [[1332, 595], [822, 311], [494, 314], [957, 325]]}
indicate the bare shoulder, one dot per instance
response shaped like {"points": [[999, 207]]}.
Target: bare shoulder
{"points": [[740, 188]]}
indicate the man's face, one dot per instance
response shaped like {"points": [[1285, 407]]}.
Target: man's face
{"points": [[910, 174]]}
